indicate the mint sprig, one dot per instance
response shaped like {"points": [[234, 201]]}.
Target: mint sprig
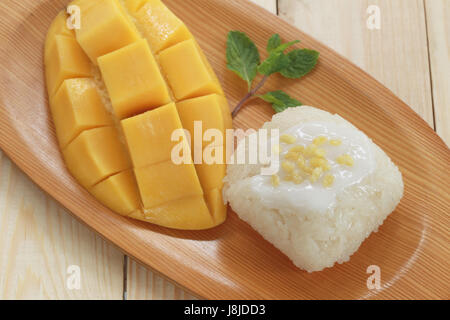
{"points": [[243, 58]]}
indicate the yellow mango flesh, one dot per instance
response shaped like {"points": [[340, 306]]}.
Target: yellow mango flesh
{"points": [[189, 213], [187, 73], [105, 27], [58, 27], [134, 5], [211, 175], [214, 113], [77, 106], [212, 110], [94, 155], [65, 60], [214, 200], [133, 80], [160, 26], [116, 102], [118, 192], [149, 135], [83, 4], [165, 181]]}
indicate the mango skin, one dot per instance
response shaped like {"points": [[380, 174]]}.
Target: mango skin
{"points": [[113, 105]]}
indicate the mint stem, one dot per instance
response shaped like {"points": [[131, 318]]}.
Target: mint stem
{"points": [[250, 94]]}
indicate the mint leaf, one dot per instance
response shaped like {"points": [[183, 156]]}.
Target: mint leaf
{"points": [[301, 62], [276, 62], [286, 45], [274, 42], [280, 100], [242, 56]]}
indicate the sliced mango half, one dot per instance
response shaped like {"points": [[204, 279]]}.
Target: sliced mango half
{"points": [[126, 90]]}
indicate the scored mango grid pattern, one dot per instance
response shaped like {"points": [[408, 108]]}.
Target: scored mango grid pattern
{"points": [[171, 77]]}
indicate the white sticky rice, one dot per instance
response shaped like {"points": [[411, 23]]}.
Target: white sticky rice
{"points": [[316, 240]]}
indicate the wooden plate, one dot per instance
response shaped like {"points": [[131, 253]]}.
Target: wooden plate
{"points": [[233, 261]]}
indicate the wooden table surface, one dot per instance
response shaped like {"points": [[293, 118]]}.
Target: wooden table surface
{"points": [[40, 241]]}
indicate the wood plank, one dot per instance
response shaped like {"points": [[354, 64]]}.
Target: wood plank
{"points": [[143, 283], [39, 240], [269, 5], [438, 27], [396, 54]]}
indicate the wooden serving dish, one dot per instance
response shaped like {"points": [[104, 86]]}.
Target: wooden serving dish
{"points": [[233, 261]]}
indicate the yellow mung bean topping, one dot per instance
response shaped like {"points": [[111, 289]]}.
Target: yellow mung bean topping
{"points": [[298, 148], [320, 140], [328, 180], [335, 142], [287, 166], [345, 159], [287, 138], [320, 152], [309, 162]]}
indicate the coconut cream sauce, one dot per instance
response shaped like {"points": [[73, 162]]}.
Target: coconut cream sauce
{"points": [[314, 196]]}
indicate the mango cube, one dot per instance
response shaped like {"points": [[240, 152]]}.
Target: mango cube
{"points": [[76, 107], [64, 60], [149, 135], [187, 71], [213, 112], [212, 170], [217, 208], [189, 213], [134, 5], [211, 175], [118, 192], [165, 181], [133, 80], [160, 26], [82, 4], [105, 27], [58, 27], [94, 155]]}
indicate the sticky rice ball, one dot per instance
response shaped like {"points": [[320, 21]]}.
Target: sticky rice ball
{"points": [[333, 188]]}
